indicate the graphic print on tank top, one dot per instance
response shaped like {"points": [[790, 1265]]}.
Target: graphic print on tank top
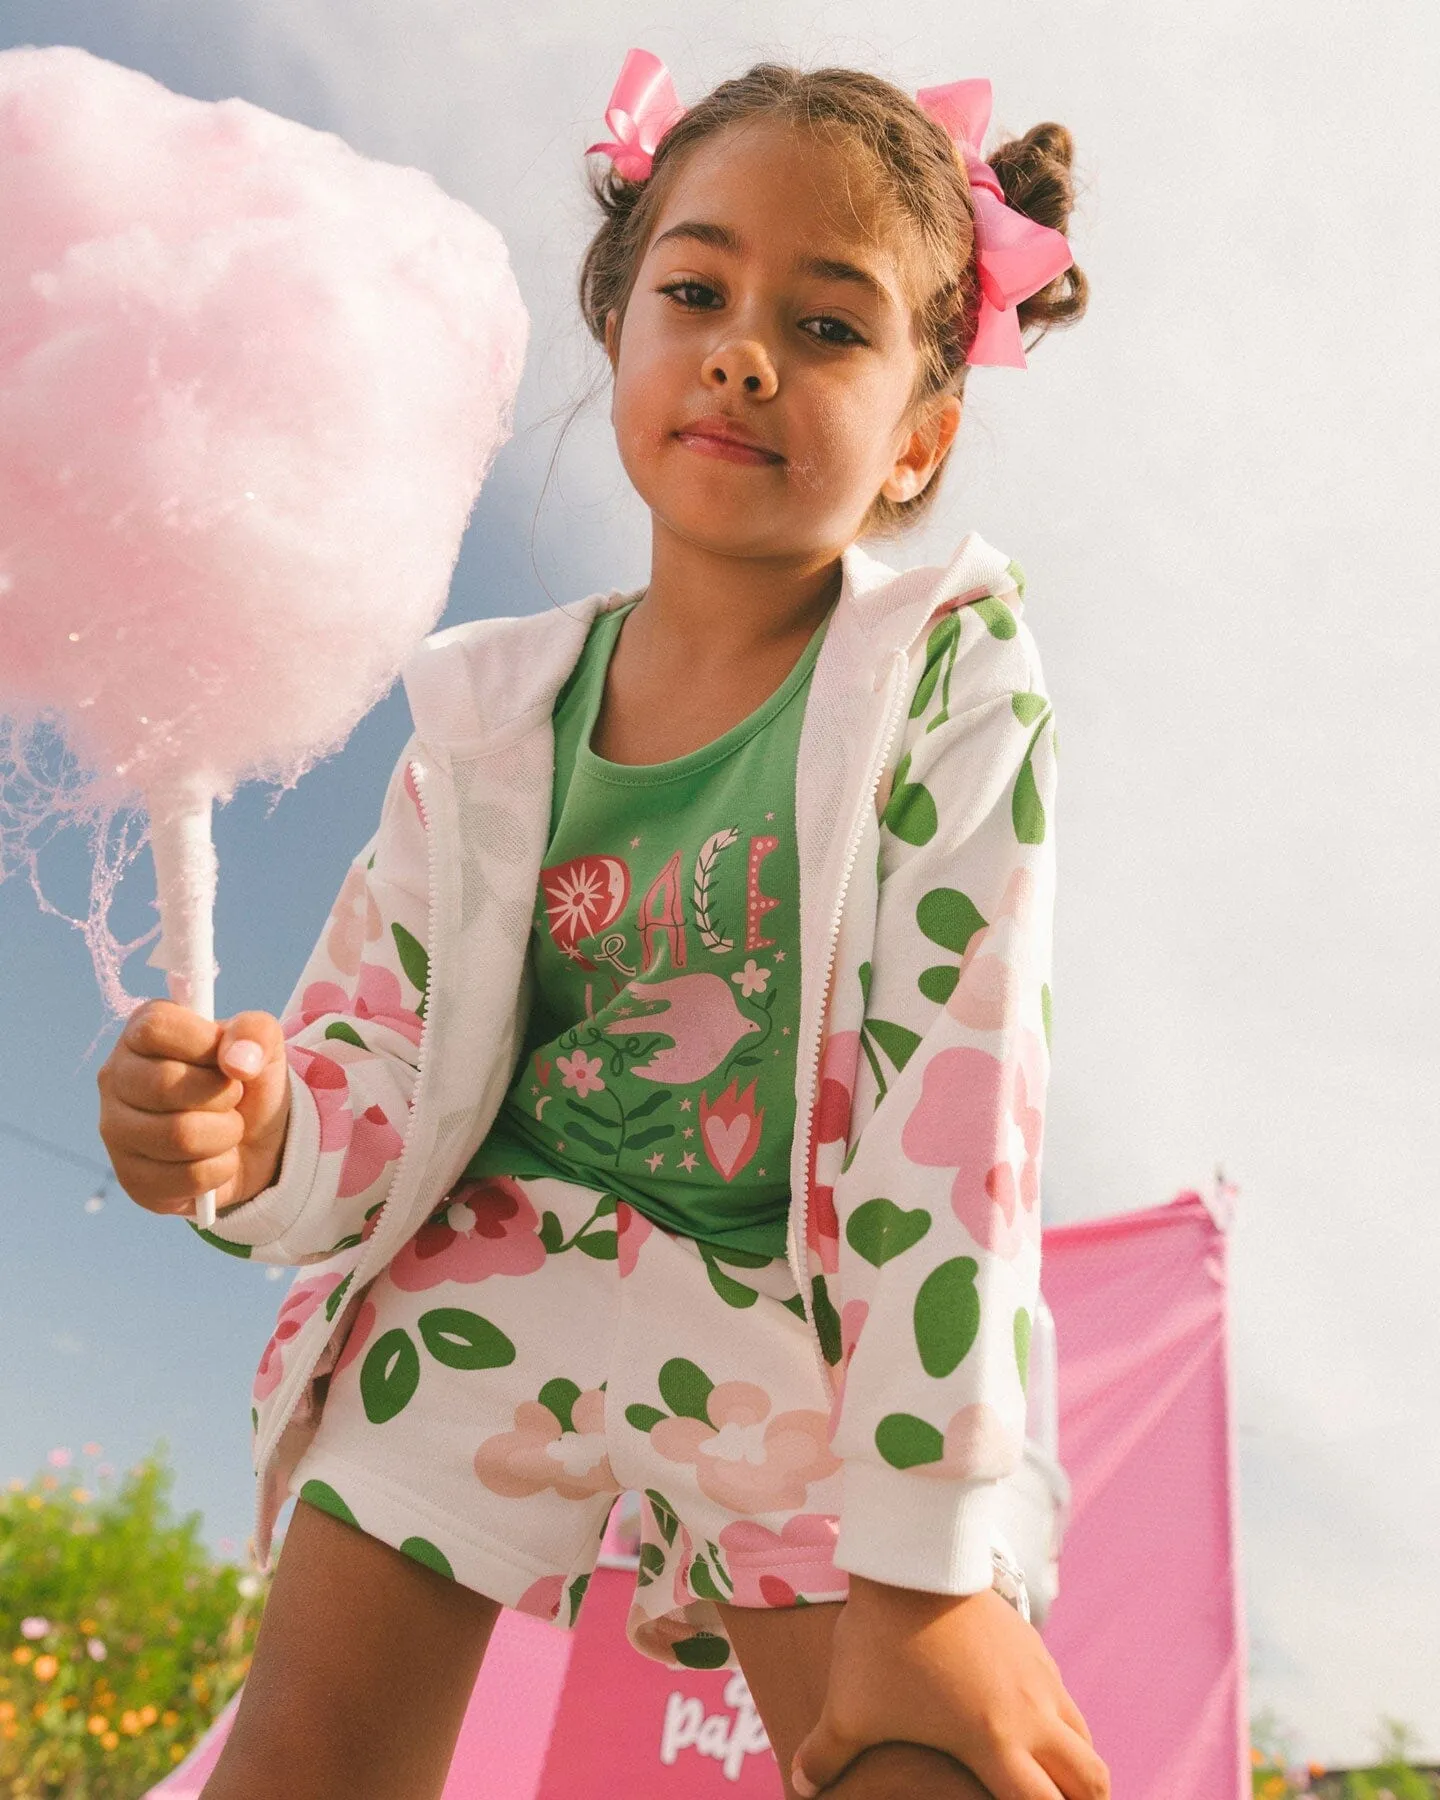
{"points": [[659, 1055]]}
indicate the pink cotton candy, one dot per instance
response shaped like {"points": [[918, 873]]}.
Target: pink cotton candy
{"points": [[250, 385]]}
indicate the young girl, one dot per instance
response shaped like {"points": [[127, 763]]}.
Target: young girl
{"points": [[661, 1107]]}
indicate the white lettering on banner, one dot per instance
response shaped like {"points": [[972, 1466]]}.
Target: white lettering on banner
{"points": [[728, 1740]]}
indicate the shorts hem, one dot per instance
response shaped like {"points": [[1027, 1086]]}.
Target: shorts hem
{"points": [[486, 1549]]}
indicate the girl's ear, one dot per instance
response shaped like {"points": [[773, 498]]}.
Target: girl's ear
{"points": [[612, 338], [924, 452]]}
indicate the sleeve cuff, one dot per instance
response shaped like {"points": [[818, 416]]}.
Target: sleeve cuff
{"points": [[267, 1216], [917, 1531]]}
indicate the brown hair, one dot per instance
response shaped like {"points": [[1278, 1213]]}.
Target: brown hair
{"points": [[917, 178]]}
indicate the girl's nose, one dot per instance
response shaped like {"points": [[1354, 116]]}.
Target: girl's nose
{"points": [[741, 364]]}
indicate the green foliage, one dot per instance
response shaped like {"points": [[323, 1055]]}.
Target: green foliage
{"points": [[144, 1639], [1276, 1776]]}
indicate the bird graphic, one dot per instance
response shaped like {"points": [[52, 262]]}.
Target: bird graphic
{"points": [[697, 1013]]}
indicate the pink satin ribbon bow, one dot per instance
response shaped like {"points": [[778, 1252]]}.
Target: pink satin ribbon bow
{"points": [[1016, 256]]}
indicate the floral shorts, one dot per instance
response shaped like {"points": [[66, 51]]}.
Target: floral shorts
{"points": [[538, 1349]]}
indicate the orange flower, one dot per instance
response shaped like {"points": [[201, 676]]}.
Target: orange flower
{"points": [[46, 1668]]}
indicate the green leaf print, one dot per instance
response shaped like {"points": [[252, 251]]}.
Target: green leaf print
{"points": [[942, 638], [552, 1232], [560, 1396], [602, 1245], [906, 1442], [1045, 1010], [346, 1034], [999, 620], [652, 1565], [1026, 807], [864, 974], [947, 1315], [685, 1388], [589, 1112], [703, 1651], [336, 1295], [1028, 707], [413, 957], [827, 1320], [649, 1103], [590, 1141], [938, 982], [666, 1518], [910, 811], [948, 918], [897, 1041], [1017, 575], [879, 1230], [1022, 1346], [423, 1551], [576, 1594], [796, 1305], [703, 1581], [240, 1250], [321, 1494], [733, 1293], [463, 1340], [389, 1375], [644, 1418], [653, 1134]]}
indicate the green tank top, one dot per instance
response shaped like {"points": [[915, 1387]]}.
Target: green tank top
{"points": [[658, 1061]]}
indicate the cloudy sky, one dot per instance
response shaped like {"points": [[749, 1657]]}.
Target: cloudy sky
{"points": [[1221, 488]]}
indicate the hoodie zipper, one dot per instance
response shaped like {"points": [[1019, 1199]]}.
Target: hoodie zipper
{"points": [[857, 831], [415, 768]]}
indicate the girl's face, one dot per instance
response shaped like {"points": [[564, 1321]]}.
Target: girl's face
{"points": [[734, 311]]}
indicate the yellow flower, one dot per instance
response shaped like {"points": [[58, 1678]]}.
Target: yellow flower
{"points": [[96, 1723], [35, 1502], [148, 1715], [88, 1627], [47, 1668], [110, 1740], [177, 1753], [168, 1719], [22, 1653], [7, 1709], [80, 1494], [9, 1729], [50, 1483]]}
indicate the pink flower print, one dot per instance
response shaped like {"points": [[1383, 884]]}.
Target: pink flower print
{"points": [[354, 922], [741, 1460], [360, 1328], [374, 1141], [377, 996], [730, 1129], [769, 1568], [487, 1228], [631, 1230], [852, 1322], [977, 1447], [539, 1453], [542, 1598], [975, 1115], [830, 1125], [295, 1309], [581, 1072], [327, 1081], [987, 994]]}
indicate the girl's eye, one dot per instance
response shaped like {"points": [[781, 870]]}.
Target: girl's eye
{"points": [[677, 287]]}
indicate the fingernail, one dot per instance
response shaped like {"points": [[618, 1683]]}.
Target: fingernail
{"points": [[246, 1056], [803, 1785]]}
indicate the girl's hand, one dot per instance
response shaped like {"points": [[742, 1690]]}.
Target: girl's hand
{"points": [[964, 1674]]}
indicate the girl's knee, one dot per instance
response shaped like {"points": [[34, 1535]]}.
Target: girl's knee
{"points": [[906, 1772]]}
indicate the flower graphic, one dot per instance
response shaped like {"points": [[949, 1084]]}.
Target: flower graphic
{"points": [[730, 1129], [838, 1063], [744, 1460], [631, 1230], [484, 1228], [581, 1072], [560, 1446], [751, 980], [542, 1598], [295, 1309], [769, 1568], [583, 896], [377, 996], [354, 922], [976, 1115]]}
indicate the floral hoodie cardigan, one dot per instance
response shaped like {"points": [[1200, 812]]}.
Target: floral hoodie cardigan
{"points": [[924, 792]]}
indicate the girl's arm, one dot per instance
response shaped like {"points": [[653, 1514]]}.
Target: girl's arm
{"points": [[937, 1200], [352, 1027]]}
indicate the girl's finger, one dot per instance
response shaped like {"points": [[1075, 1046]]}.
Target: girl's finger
{"points": [[1076, 1768]]}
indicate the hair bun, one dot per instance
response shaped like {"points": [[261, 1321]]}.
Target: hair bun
{"points": [[1036, 176]]}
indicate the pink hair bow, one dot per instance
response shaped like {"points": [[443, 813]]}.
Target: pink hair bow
{"points": [[1016, 256], [643, 106]]}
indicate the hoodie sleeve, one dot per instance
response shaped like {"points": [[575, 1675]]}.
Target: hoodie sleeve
{"points": [[353, 1026], [936, 1204]]}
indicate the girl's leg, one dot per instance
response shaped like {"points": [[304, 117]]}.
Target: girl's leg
{"points": [[784, 1654], [363, 1669]]}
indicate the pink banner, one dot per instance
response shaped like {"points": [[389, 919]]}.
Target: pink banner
{"points": [[1147, 1626]]}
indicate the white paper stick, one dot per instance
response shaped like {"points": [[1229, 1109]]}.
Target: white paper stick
{"points": [[186, 872]]}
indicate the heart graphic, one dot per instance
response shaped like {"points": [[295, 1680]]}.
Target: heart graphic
{"points": [[583, 896], [726, 1143], [880, 1229]]}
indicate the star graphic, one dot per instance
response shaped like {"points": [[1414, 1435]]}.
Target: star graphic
{"points": [[770, 815], [655, 1160], [779, 956], [558, 1144], [759, 1171], [533, 1088], [634, 843], [684, 1106], [687, 1162], [689, 1131], [784, 1031]]}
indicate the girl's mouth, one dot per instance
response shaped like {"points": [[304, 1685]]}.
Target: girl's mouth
{"points": [[725, 448]]}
